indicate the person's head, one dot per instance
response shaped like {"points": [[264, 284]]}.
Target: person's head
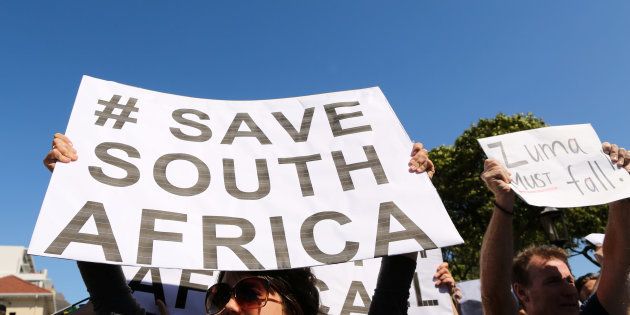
{"points": [[586, 285], [270, 292], [543, 283]]}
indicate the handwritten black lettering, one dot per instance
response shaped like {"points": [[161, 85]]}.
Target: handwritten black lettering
{"points": [[505, 159], [545, 151], [532, 181], [573, 180]]}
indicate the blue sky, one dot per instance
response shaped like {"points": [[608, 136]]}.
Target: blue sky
{"points": [[442, 65]]}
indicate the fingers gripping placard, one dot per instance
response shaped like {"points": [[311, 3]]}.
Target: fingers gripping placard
{"points": [[172, 181]]}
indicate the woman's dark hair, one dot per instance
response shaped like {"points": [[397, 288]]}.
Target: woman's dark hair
{"points": [[296, 286]]}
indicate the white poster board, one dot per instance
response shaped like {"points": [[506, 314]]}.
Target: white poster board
{"points": [[561, 166], [344, 288], [172, 181], [596, 239]]}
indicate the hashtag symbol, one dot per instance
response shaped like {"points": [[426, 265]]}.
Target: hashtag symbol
{"points": [[108, 112]]}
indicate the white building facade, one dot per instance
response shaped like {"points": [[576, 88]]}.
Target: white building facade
{"points": [[23, 289]]}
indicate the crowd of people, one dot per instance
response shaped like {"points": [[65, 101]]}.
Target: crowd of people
{"points": [[539, 277]]}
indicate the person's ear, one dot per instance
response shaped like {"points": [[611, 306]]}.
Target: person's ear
{"points": [[521, 292]]}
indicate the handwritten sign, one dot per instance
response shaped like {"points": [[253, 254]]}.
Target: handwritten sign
{"points": [[560, 166], [344, 288], [171, 181]]}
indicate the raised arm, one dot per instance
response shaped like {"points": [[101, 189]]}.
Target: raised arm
{"points": [[396, 273], [613, 290], [106, 284], [497, 246]]}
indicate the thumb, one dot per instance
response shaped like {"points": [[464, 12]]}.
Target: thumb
{"points": [[162, 307]]}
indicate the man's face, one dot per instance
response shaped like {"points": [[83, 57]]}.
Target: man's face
{"points": [[551, 289]]}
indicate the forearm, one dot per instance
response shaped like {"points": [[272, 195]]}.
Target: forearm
{"points": [[614, 287], [496, 263], [392, 287], [108, 289]]}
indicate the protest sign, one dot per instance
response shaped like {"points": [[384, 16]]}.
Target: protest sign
{"points": [[171, 181], [561, 166], [344, 288], [596, 239], [470, 304]]}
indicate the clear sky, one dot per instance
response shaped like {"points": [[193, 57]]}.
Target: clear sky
{"points": [[442, 65]]}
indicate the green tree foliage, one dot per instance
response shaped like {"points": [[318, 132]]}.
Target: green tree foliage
{"points": [[469, 203]]}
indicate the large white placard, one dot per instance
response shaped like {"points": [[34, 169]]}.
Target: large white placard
{"points": [[344, 288], [561, 166], [171, 181]]}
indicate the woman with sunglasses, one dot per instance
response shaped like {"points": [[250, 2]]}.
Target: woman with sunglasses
{"points": [[270, 292]]}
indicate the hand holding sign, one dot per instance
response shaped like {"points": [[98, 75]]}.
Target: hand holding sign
{"points": [[444, 279], [497, 179], [62, 150], [420, 161], [620, 156]]}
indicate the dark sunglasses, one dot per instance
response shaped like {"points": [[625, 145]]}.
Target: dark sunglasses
{"points": [[249, 293]]}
